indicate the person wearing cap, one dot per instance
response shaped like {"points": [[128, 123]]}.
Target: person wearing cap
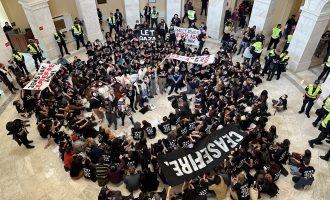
{"points": [[119, 19], [154, 16], [78, 34], [59, 37], [275, 38], [326, 70], [20, 61], [191, 15], [312, 93], [324, 111], [34, 49]]}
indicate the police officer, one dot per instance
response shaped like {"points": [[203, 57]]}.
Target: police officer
{"points": [[257, 50], [312, 93], [325, 130], [20, 61], [284, 58], [288, 41], [154, 16], [273, 67], [326, 70], [59, 37], [78, 34], [112, 23], [191, 15], [275, 38], [6, 78], [326, 157], [119, 19], [34, 49], [268, 60], [325, 110]]}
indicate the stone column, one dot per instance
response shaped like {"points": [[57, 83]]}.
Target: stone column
{"points": [[262, 14], [215, 18], [305, 39], [5, 48], [132, 12], [88, 13], [325, 89], [172, 7], [41, 23]]}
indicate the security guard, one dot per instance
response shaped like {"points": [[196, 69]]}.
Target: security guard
{"points": [[275, 38], [34, 49], [59, 37], [324, 111], [191, 15], [257, 50], [312, 93], [284, 58], [325, 129], [268, 60], [112, 23], [78, 34], [326, 70], [20, 61], [154, 17], [288, 41]]}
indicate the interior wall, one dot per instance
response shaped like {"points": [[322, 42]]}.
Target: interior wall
{"points": [[111, 6], [15, 13], [3, 16], [160, 6], [63, 7]]}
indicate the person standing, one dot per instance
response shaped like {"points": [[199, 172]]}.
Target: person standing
{"points": [[325, 129], [326, 157], [257, 50], [34, 49], [78, 34], [147, 12], [260, 37], [274, 66], [175, 79], [191, 15], [326, 70], [59, 37], [288, 41], [154, 17], [176, 20], [325, 110], [324, 40], [100, 16], [112, 23], [161, 78], [284, 58], [235, 19], [119, 19], [204, 6], [186, 8], [275, 38], [290, 24], [20, 61], [162, 30], [6, 78], [312, 93]]}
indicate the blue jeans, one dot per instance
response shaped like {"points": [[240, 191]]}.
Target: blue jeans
{"points": [[294, 170], [301, 182]]}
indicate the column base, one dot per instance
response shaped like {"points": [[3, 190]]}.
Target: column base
{"points": [[93, 36], [51, 53], [296, 66]]}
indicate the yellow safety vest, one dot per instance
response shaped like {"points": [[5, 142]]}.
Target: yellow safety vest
{"points": [[191, 14], [325, 121], [257, 47], [310, 92], [76, 31], [276, 33], [33, 49], [284, 57], [328, 62], [272, 52], [153, 14], [112, 20], [57, 37], [289, 39], [327, 105], [18, 56]]}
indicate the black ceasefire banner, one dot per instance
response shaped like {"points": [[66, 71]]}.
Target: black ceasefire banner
{"points": [[147, 34], [185, 164]]}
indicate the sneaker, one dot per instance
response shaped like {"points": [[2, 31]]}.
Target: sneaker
{"points": [[308, 115], [300, 112], [311, 144], [314, 124], [29, 147], [324, 158]]}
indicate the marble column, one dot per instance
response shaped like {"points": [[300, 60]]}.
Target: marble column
{"points": [[41, 23], [172, 7], [87, 12], [215, 18], [132, 13], [5, 48], [262, 14], [305, 39], [325, 89]]}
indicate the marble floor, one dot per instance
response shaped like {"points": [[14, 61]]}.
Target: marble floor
{"points": [[38, 174]]}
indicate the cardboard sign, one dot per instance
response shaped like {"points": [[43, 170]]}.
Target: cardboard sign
{"points": [[147, 34], [190, 35]]}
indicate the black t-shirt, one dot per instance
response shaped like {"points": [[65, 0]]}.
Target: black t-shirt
{"points": [[165, 127], [242, 191], [307, 172], [89, 171], [137, 134], [150, 131], [75, 169]]}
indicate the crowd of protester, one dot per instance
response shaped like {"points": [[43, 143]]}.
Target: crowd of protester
{"points": [[119, 78]]}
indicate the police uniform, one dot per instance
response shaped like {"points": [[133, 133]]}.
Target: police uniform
{"points": [[324, 111], [284, 58], [325, 129], [312, 92], [20, 61], [35, 51], [326, 70], [77, 33], [59, 37], [273, 67], [257, 51], [275, 38], [191, 16], [154, 17], [112, 24], [288, 41]]}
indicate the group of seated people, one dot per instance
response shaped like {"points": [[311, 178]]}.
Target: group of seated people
{"points": [[118, 79]]}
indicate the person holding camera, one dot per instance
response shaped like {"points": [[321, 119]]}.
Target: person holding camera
{"points": [[17, 128]]}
